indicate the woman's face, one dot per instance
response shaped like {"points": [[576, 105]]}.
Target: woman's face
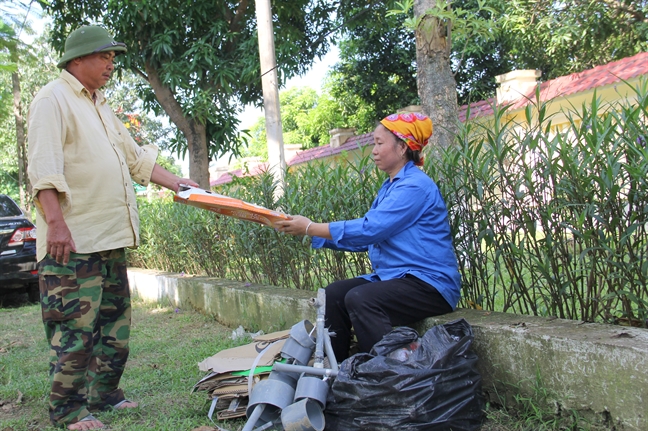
{"points": [[388, 152]]}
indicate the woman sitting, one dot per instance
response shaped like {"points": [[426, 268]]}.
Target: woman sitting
{"points": [[407, 234]]}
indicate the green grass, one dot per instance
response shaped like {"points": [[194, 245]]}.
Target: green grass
{"points": [[166, 347]]}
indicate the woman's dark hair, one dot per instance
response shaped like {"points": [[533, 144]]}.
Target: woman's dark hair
{"points": [[414, 156], [410, 154]]}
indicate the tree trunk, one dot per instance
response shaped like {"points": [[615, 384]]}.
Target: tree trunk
{"points": [[436, 84], [23, 180], [194, 132]]}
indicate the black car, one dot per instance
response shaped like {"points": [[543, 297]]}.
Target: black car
{"points": [[18, 266]]}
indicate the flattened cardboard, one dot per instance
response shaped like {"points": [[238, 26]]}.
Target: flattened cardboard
{"points": [[231, 406], [229, 414], [242, 358], [230, 390], [273, 336], [227, 206]]}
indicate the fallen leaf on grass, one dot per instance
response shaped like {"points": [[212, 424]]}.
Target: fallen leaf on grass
{"points": [[7, 407], [6, 348]]}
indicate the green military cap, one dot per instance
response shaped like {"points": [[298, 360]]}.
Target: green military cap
{"points": [[88, 40]]}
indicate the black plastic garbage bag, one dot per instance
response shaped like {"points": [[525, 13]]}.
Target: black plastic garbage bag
{"points": [[434, 387]]}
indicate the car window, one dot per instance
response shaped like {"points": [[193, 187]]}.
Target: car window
{"points": [[8, 208]]}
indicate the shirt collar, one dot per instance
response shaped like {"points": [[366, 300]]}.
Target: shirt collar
{"points": [[401, 173], [79, 89]]}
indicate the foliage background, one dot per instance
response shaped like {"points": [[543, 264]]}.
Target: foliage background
{"points": [[544, 223]]}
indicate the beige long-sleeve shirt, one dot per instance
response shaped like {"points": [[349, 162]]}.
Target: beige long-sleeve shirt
{"points": [[80, 148]]}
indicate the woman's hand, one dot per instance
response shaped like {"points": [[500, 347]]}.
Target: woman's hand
{"points": [[295, 225]]}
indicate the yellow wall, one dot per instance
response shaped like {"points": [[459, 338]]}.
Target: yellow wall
{"points": [[558, 107]]}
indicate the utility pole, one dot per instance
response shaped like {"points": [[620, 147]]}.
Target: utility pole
{"points": [[274, 132]]}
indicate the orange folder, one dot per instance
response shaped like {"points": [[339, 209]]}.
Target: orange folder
{"points": [[227, 206]]}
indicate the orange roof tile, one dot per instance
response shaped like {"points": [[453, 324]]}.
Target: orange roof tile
{"points": [[326, 151], [477, 109], [599, 76]]}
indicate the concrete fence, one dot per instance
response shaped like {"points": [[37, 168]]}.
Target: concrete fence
{"points": [[598, 371]]}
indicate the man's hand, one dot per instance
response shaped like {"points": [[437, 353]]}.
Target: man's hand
{"points": [[60, 242], [59, 237], [164, 178], [185, 182]]}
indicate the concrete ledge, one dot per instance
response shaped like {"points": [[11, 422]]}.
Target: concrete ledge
{"points": [[231, 303], [599, 371]]}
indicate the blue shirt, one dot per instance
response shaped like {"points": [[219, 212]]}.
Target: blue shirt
{"points": [[406, 231]]}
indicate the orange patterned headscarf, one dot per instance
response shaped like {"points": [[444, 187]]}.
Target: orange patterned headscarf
{"points": [[413, 128]]}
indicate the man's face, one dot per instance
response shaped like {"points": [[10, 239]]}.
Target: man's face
{"points": [[95, 69]]}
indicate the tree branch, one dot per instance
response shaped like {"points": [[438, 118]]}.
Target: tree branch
{"points": [[141, 73], [235, 24], [167, 100], [638, 15]]}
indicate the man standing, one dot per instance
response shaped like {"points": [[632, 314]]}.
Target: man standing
{"points": [[82, 162]]}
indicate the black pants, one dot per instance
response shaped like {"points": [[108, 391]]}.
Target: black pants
{"points": [[373, 308]]}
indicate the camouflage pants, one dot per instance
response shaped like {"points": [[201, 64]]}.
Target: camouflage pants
{"points": [[87, 315]]}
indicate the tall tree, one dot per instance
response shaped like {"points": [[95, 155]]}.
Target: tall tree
{"points": [[13, 23], [437, 87], [560, 38], [9, 48], [8, 157], [200, 58], [145, 128], [388, 58], [557, 38], [33, 69], [377, 60]]}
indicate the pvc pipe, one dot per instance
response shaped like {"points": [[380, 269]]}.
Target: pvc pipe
{"points": [[326, 372], [329, 351], [254, 417], [319, 345], [264, 427]]}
